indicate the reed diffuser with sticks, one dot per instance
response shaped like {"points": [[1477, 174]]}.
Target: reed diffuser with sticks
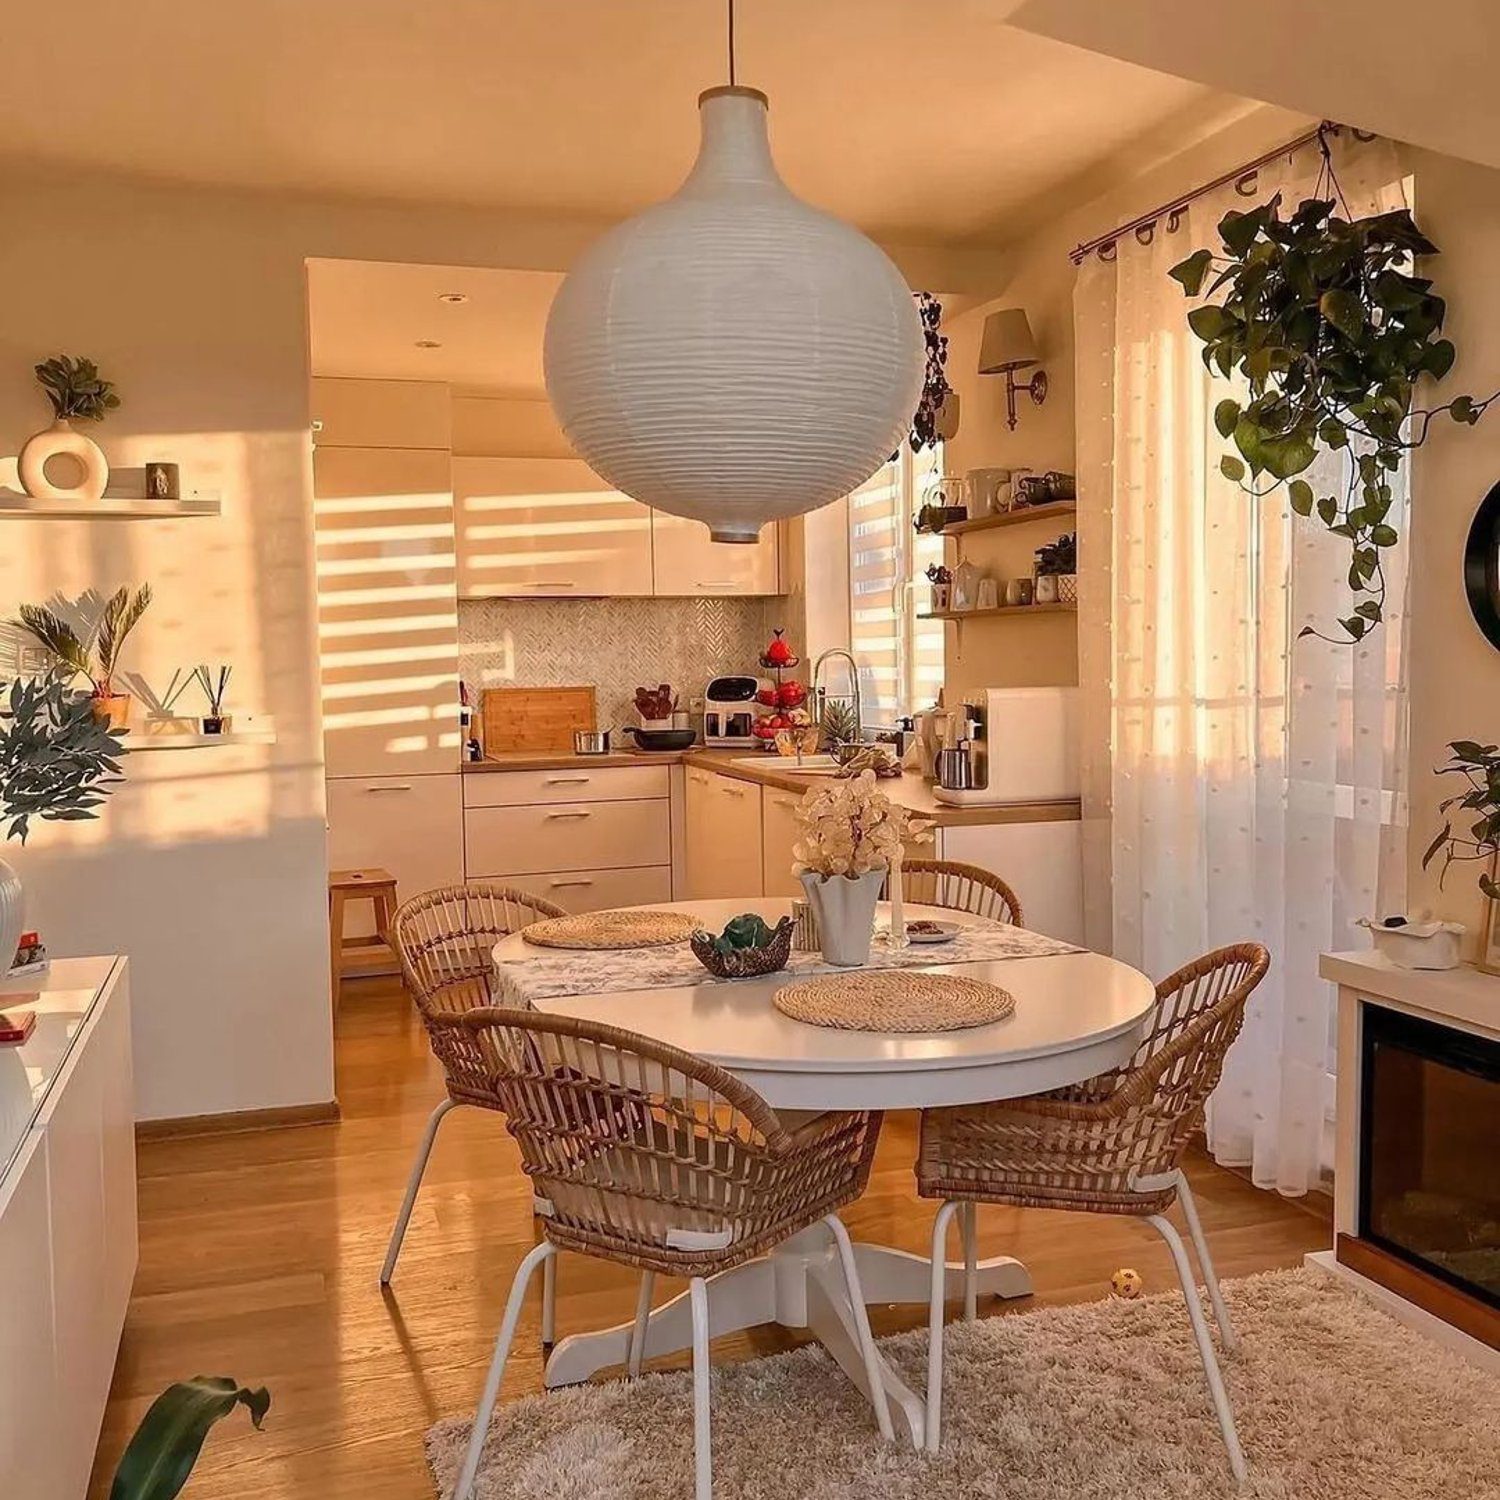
{"points": [[214, 686]]}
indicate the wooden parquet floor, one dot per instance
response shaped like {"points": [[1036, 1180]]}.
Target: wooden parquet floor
{"points": [[260, 1256]]}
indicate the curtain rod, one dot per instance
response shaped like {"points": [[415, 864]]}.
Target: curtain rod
{"points": [[1172, 209]]}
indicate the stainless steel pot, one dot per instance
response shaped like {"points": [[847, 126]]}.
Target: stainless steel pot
{"points": [[955, 769], [591, 741]]}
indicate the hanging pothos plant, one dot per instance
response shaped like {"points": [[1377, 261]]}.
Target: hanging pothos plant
{"points": [[1331, 330]]}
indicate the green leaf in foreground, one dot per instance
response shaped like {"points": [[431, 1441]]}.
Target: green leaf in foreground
{"points": [[161, 1455]]}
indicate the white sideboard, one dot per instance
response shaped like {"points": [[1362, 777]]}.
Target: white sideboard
{"points": [[67, 1222]]}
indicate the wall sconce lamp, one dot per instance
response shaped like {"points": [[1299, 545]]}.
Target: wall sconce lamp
{"points": [[1007, 346]]}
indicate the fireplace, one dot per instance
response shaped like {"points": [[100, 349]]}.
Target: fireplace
{"points": [[1429, 1150]]}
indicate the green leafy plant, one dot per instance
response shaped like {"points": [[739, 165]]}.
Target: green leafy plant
{"points": [[1058, 558], [161, 1454], [57, 760], [1479, 766], [95, 654], [1331, 330], [75, 388], [840, 724]]}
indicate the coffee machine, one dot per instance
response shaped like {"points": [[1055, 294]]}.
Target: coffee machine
{"points": [[1008, 745]]}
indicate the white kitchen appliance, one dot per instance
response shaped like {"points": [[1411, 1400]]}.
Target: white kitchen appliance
{"points": [[729, 712], [1023, 744]]}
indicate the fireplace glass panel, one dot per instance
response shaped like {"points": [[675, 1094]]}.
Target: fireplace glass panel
{"points": [[1430, 1149]]}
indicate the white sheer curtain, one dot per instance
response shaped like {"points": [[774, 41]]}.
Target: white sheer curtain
{"points": [[1239, 782]]}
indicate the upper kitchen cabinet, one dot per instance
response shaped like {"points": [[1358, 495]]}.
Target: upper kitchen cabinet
{"points": [[546, 528], [387, 612], [356, 413], [688, 562]]}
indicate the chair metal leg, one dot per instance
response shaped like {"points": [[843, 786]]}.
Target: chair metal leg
{"points": [[418, 1167], [638, 1333], [932, 1424], [1225, 1412], [862, 1325], [703, 1466], [1200, 1244], [549, 1304], [519, 1283], [969, 1218]]}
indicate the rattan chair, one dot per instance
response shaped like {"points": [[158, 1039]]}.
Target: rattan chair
{"points": [[443, 939], [648, 1156], [1111, 1145], [960, 887]]}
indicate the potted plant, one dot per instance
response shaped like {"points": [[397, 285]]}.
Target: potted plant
{"points": [[159, 1458], [1479, 804], [58, 760], [214, 686], [848, 834], [1057, 571], [941, 579], [95, 654], [78, 394]]}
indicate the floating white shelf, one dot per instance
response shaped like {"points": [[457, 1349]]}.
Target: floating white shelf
{"points": [[252, 733], [14, 506]]}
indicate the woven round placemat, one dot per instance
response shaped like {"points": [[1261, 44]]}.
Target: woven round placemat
{"points": [[612, 929], [894, 1000]]}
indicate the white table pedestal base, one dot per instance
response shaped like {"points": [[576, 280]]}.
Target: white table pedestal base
{"points": [[798, 1285]]}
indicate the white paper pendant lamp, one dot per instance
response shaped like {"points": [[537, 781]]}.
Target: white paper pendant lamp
{"points": [[734, 355]]}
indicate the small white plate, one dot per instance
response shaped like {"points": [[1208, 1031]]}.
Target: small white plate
{"points": [[947, 931]]}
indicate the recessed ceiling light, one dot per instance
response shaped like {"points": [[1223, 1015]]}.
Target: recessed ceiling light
{"points": [[428, 344], [453, 299]]}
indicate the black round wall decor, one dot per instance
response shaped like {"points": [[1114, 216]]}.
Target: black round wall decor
{"points": [[1482, 566]]}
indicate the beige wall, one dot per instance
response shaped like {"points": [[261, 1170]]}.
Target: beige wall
{"points": [[1453, 671]]}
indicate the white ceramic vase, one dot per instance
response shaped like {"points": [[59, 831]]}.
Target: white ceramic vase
{"points": [[845, 909], [60, 438], [12, 916]]}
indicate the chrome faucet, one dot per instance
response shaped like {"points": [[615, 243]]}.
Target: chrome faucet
{"points": [[820, 694]]}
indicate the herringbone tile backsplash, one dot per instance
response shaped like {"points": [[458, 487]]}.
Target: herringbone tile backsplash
{"points": [[616, 644]]}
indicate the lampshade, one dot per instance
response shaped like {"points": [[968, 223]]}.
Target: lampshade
{"points": [[734, 355], [1007, 343]]}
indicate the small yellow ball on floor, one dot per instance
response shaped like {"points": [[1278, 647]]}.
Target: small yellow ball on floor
{"points": [[1126, 1283]]}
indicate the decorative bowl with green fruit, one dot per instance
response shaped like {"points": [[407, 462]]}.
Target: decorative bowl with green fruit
{"points": [[747, 947]]}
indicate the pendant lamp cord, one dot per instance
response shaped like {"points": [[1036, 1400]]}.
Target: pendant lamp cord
{"points": [[731, 43]]}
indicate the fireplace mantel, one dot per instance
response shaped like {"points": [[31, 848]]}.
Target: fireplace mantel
{"points": [[1459, 1000]]}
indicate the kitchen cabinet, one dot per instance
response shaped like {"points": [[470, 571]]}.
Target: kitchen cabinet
{"points": [[387, 612], [1041, 862], [603, 890], [357, 413], [688, 561], [546, 528], [778, 834], [723, 836], [410, 825]]}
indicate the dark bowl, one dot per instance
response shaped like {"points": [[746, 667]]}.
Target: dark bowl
{"points": [[744, 963], [662, 739]]}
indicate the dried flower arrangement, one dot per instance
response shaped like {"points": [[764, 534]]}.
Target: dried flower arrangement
{"points": [[849, 828]]}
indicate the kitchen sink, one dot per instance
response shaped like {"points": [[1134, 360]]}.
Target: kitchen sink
{"points": [[807, 765]]}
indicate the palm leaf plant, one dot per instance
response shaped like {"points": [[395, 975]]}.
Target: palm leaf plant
{"points": [[96, 653], [1325, 319], [159, 1458], [58, 760]]}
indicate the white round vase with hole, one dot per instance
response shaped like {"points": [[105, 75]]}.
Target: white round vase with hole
{"points": [[12, 916], [734, 355], [845, 911], [58, 441]]}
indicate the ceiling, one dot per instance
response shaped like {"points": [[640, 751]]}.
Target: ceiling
{"points": [[1420, 73], [924, 121], [368, 319]]}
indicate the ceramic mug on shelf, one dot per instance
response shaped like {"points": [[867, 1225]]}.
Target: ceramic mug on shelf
{"points": [[1046, 588], [1018, 592], [987, 492]]}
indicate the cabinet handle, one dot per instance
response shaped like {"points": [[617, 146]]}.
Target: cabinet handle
{"points": [[567, 780], [548, 583], [733, 791], [716, 583], [580, 814], [785, 801], [401, 786], [558, 884]]}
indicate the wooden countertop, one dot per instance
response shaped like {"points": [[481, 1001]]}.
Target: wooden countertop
{"points": [[910, 792]]}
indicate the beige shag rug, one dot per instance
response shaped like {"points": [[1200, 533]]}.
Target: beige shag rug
{"points": [[1103, 1401]]}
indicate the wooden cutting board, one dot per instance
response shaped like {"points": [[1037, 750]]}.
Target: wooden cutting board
{"points": [[527, 718]]}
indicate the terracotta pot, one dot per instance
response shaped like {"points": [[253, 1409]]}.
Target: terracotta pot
{"points": [[60, 438], [113, 709]]}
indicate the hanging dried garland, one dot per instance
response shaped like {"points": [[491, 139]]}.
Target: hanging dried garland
{"points": [[936, 391], [1323, 317]]}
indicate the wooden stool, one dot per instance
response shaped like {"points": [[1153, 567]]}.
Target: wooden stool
{"points": [[359, 956]]}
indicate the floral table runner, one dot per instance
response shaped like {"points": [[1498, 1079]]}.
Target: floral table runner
{"points": [[595, 972]]}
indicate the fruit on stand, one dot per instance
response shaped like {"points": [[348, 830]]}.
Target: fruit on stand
{"points": [[790, 695], [779, 653], [782, 697]]}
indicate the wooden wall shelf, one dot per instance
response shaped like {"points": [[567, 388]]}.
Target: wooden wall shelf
{"points": [[1048, 512], [960, 615]]}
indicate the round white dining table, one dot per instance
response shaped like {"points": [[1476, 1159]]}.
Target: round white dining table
{"points": [[1076, 1015]]}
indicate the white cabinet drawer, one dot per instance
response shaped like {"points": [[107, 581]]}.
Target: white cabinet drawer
{"points": [[600, 890], [567, 836], [566, 784], [778, 834]]}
